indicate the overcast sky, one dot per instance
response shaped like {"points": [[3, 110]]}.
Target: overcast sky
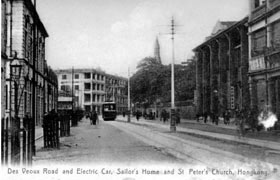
{"points": [[117, 34]]}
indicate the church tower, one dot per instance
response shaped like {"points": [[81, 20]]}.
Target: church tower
{"points": [[157, 51]]}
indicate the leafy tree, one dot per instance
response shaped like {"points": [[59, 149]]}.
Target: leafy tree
{"points": [[144, 84], [152, 81]]}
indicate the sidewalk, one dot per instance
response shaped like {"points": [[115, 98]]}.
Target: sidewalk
{"points": [[224, 132], [38, 132]]}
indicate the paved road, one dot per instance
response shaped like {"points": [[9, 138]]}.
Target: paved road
{"points": [[242, 149], [104, 144], [138, 146]]}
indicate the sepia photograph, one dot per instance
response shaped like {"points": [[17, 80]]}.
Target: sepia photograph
{"points": [[140, 90]]}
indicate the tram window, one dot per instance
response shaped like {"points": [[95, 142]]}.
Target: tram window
{"points": [[108, 107]]}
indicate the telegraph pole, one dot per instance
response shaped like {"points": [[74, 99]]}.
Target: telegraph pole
{"points": [[173, 117], [72, 93], [128, 97]]}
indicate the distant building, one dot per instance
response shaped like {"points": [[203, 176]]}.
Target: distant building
{"points": [[157, 51], [116, 90], [92, 87], [264, 54], [187, 62]]}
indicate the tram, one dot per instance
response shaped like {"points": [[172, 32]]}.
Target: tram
{"points": [[109, 111]]}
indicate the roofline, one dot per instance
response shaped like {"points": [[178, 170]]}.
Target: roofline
{"points": [[69, 70], [34, 13], [242, 21]]}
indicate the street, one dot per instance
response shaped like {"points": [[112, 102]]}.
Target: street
{"points": [[144, 143], [104, 144], [204, 105]]}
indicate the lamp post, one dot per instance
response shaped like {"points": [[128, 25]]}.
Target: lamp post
{"points": [[15, 74]]}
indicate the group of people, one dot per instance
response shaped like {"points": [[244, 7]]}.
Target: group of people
{"points": [[207, 117], [93, 116], [164, 115]]}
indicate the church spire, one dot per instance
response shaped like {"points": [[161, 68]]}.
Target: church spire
{"points": [[157, 51]]}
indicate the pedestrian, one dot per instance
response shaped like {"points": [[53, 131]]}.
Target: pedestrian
{"points": [[224, 117], [164, 115], [137, 115], [212, 116], [93, 117], [178, 118], [123, 113], [97, 119], [90, 116], [205, 117], [216, 119], [197, 117]]}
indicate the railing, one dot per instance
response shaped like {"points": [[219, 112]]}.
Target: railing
{"points": [[257, 52], [16, 141], [274, 3], [64, 124], [51, 130], [275, 44], [258, 11]]}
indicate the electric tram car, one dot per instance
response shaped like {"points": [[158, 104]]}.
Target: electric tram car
{"points": [[109, 111]]}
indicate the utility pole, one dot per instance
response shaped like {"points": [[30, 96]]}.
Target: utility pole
{"points": [[72, 89], [173, 117], [128, 97], [266, 57]]}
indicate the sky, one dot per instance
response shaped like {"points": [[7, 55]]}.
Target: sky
{"points": [[115, 35]]}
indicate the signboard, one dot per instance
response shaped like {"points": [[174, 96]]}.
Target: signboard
{"points": [[257, 64], [232, 99]]}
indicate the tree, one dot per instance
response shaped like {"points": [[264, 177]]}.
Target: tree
{"points": [[145, 83], [152, 82]]}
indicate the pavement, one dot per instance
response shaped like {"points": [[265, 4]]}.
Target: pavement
{"points": [[38, 132], [221, 131], [263, 139]]}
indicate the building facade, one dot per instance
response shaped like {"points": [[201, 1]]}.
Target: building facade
{"points": [[264, 54], [4, 57], [116, 90], [92, 87], [37, 84], [28, 83], [222, 68]]}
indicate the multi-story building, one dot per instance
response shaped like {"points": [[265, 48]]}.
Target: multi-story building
{"points": [[222, 68], [30, 85], [264, 54], [92, 87], [37, 84], [116, 90], [4, 57]]}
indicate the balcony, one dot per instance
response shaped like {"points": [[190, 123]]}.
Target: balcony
{"points": [[275, 45], [257, 52], [274, 3], [258, 11]]}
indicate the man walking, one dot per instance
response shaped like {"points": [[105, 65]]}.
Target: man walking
{"points": [[137, 115], [93, 117]]}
